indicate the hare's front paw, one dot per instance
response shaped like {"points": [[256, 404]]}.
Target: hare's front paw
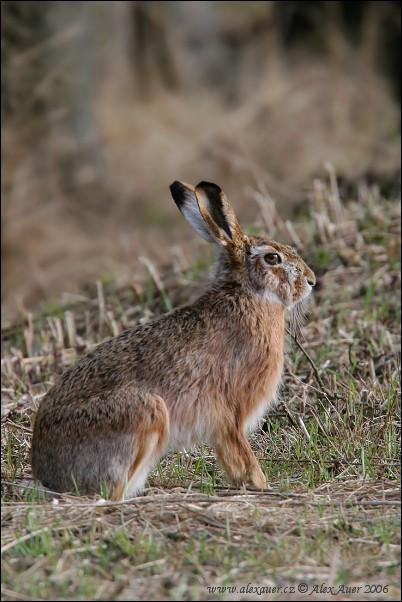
{"points": [[258, 479]]}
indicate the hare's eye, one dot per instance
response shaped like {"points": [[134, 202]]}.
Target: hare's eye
{"points": [[272, 258]]}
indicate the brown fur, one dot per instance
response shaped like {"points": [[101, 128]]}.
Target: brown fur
{"points": [[202, 373]]}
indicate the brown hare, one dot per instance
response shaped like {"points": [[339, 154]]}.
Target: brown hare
{"points": [[202, 373]]}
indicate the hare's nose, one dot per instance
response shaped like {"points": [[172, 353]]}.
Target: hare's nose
{"points": [[310, 277]]}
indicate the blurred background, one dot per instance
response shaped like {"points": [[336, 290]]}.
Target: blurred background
{"points": [[105, 103]]}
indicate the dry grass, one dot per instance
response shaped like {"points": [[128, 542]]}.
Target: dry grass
{"points": [[330, 449]]}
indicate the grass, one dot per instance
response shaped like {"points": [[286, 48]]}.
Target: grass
{"points": [[330, 449]]}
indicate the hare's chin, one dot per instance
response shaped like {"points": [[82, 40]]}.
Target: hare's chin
{"points": [[271, 297]]}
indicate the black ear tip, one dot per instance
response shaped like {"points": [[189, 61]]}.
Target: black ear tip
{"points": [[175, 186], [177, 191]]}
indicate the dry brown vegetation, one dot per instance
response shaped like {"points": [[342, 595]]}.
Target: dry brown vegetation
{"points": [[97, 128]]}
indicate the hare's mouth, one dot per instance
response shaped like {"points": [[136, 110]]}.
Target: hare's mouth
{"points": [[302, 294]]}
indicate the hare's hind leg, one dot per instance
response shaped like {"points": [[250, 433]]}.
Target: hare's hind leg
{"points": [[151, 440], [101, 445], [237, 458]]}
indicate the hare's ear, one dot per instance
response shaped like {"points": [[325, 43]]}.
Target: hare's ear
{"points": [[219, 214], [186, 200]]}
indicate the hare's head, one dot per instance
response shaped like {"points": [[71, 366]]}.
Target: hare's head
{"points": [[265, 267]]}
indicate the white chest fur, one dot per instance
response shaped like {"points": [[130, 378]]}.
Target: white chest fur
{"points": [[262, 407]]}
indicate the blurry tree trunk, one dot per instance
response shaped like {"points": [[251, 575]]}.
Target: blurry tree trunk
{"points": [[75, 133], [250, 41], [151, 54], [50, 62]]}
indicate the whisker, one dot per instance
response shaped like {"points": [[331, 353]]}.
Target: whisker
{"points": [[297, 318]]}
